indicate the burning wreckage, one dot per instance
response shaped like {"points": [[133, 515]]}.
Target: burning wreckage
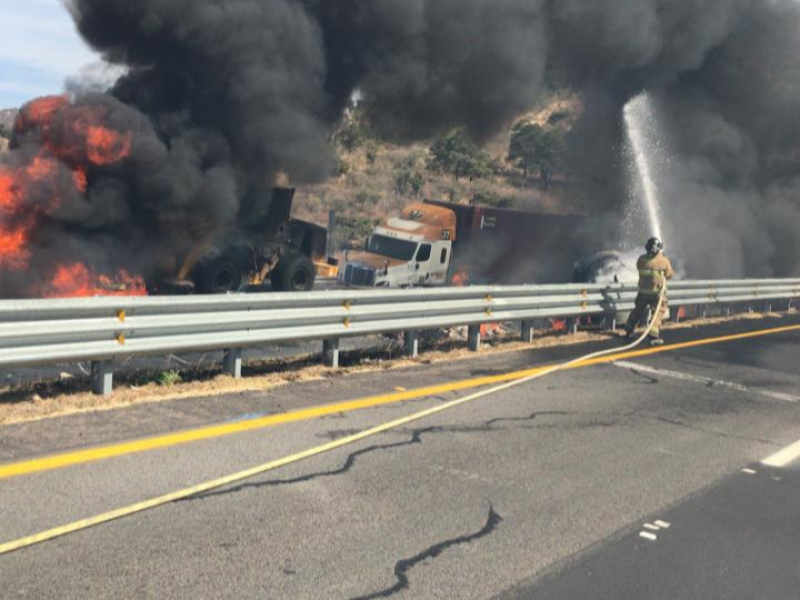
{"points": [[266, 245], [58, 147]]}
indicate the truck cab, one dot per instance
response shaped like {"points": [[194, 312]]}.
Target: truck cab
{"points": [[412, 249]]}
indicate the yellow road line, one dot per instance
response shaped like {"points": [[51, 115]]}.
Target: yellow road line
{"points": [[139, 507], [195, 435]]}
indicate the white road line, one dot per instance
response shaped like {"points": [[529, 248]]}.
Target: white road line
{"points": [[663, 524], [706, 381], [648, 536], [783, 457], [652, 527], [749, 471]]}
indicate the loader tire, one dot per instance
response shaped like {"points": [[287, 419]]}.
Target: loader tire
{"points": [[219, 276], [295, 273]]}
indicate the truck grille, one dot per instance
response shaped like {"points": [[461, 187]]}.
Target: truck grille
{"points": [[359, 275]]}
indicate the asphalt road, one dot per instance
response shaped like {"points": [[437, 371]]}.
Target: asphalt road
{"points": [[542, 491]]}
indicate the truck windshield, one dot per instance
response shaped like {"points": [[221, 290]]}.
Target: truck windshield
{"points": [[391, 247]]}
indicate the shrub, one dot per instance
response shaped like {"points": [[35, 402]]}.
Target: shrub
{"points": [[456, 154]]}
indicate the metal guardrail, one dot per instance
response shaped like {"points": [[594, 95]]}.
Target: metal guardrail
{"points": [[102, 330]]}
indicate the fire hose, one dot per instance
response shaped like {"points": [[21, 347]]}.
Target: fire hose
{"points": [[276, 464]]}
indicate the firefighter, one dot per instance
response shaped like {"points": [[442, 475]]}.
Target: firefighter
{"points": [[654, 271]]}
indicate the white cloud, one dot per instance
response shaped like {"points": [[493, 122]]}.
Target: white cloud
{"points": [[40, 48]]}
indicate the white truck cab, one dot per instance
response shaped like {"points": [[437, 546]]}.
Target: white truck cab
{"points": [[414, 249]]}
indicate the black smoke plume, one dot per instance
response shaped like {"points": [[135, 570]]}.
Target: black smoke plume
{"points": [[222, 95]]}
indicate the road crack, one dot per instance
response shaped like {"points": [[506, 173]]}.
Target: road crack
{"points": [[402, 567], [531, 417], [416, 438]]}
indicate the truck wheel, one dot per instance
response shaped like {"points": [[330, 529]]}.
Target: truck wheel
{"points": [[219, 276], [294, 274]]}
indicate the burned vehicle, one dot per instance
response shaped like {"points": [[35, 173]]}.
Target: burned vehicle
{"points": [[269, 246]]}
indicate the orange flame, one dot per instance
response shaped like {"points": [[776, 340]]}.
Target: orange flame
{"points": [[79, 178], [39, 113], [105, 146], [41, 167], [78, 281], [460, 279], [9, 194], [73, 140], [14, 254]]}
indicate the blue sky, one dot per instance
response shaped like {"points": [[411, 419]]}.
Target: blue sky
{"points": [[39, 48]]}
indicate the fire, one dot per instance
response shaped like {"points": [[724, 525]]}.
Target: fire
{"points": [[14, 254], [9, 195], [106, 146], [78, 281], [74, 141], [460, 279], [80, 180], [40, 112], [41, 168]]}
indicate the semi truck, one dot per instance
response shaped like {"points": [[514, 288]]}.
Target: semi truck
{"points": [[266, 245], [434, 243]]}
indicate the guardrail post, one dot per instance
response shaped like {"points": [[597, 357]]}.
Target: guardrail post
{"points": [[102, 377], [573, 326], [330, 353], [527, 330], [232, 362], [474, 338], [411, 343], [769, 307]]}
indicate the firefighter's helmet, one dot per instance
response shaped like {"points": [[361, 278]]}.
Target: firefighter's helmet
{"points": [[654, 246]]}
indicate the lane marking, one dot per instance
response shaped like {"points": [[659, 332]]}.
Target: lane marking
{"points": [[706, 381], [783, 458], [663, 524], [69, 459], [648, 536], [749, 471], [652, 527]]}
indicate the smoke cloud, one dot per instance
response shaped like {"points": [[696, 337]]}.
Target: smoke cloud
{"points": [[220, 96]]}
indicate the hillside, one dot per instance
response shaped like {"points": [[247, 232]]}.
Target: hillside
{"points": [[378, 178]]}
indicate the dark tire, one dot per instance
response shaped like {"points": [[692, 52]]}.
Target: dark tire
{"points": [[219, 276], [295, 273]]}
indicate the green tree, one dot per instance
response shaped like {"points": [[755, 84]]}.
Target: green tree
{"points": [[532, 145], [409, 181], [457, 155], [351, 135]]}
